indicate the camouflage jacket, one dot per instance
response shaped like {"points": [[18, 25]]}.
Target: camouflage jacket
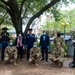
{"points": [[59, 41], [58, 52], [34, 51], [10, 50]]}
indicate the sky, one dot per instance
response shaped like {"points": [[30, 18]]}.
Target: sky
{"points": [[71, 6]]}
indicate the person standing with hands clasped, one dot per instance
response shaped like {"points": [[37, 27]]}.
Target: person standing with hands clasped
{"points": [[29, 41], [19, 44], [44, 44], [5, 40]]}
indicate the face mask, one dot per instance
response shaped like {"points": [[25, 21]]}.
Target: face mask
{"points": [[5, 31], [19, 34], [11, 43], [35, 46], [44, 33], [58, 35]]}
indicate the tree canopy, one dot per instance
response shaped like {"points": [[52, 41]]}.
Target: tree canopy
{"points": [[17, 12]]}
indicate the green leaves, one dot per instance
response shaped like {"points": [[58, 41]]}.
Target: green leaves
{"points": [[68, 15], [57, 15]]}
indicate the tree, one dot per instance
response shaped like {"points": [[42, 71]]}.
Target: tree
{"points": [[19, 10], [26, 10]]}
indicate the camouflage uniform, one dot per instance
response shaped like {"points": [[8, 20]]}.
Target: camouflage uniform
{"points": [[73, 35], [59, 41], [57, 55], [10, 53], [34, 55]]}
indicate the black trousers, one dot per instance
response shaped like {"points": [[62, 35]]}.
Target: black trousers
{"points": [[28, 52], [44, 50], [20, 52], [4, 45]]}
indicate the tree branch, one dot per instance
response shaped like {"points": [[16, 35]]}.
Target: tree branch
{"points": [[6, 3], [4, 6], [7, 9], [1, 21], [13, 6], [39, 13], [26, 10], [23, 1]]}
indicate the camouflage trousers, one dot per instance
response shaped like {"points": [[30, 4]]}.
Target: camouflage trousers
{"points": [[34, 58], [58, 62], [10, 56]]}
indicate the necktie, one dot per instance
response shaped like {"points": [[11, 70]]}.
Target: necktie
{"points": [[43, 37]]}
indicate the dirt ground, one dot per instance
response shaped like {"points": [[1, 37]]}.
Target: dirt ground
{"points": [[44, 68]]}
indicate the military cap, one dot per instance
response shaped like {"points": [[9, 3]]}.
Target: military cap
{"points": [[5, 28], [30, 29], [44, 31]]}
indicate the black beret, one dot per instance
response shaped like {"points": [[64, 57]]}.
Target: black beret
{"points": [[5, 28], [30, 29]]}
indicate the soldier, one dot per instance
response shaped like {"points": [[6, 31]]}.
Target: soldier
{"points": [[4, 40], [59, 41], [34, 54], [29, 40], [58, 55], [73, 35], [10, 53]]}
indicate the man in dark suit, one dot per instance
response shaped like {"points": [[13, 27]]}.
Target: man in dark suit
{"points": [[5, 40], [44, 44], [29, 41]]}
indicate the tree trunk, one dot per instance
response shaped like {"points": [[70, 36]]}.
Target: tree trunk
{"points": [[17, 23]]}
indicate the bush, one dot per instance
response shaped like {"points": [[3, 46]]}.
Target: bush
{"points": [[38, 44], [65, 49]]}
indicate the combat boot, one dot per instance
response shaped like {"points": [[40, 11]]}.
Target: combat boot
{"points": [[36, 64], [15, 63]]}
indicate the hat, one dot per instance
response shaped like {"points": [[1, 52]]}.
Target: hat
{"points": [[30, 29], [44, 31], [5, 28]]}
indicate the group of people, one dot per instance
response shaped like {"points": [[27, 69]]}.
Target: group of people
{"points": [[10, 51]]}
